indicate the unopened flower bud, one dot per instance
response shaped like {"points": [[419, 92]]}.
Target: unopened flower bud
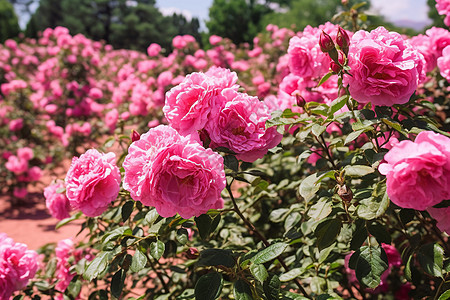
{"points": [[300, 100], [326, 42], [336, 68], [135, 136], [192, 253], [344, 2], [345, 193], [343, 40]]}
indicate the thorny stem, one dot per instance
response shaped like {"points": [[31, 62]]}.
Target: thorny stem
{"points": [[166, 288], [327, 151], [254, 231]]}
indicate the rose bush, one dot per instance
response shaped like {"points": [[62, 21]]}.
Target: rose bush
{"points": [[263, 168]]}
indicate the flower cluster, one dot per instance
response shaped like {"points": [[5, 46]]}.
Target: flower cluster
{"points": [[385, 68], [92, 182], [174, 173], [17, 266], [210, 102], [418, 173]]}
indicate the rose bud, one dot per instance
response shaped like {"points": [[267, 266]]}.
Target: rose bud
{"points": [[192, 253], [135, 136], [343, 40], [326, 42], [336, 68]]}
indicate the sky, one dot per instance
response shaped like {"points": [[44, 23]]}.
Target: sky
{"points": [[393, 10]]}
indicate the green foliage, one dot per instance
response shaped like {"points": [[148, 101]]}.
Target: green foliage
{"points": [[238, 20], [9, 24]]}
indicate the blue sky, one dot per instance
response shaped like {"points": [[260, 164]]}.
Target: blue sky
{"points": [[393, 10]]}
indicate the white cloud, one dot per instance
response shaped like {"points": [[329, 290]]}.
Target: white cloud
{"points": [[415, 10], [168, 11]]}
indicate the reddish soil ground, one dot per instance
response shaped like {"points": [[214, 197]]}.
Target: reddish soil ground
{"points": [[29, 221]]}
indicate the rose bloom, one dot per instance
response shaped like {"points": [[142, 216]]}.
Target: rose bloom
{"points": [[443, 8], [418, 173], [57, 203], [92, 182], [241, 126], [175, 174], [442, 216], [194, 101], [17, 266], [443, 63], [63, 252], [385, 68]]}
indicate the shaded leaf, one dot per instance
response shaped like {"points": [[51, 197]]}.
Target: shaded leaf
{"points": [[370, 265], [242, 290], [209, 286], [431, 259], [269, 253], [326, 232], [216, 257]]}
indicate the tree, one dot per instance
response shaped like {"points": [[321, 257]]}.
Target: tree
{"points": [[121, 23], [239, 20], [9, 25]]}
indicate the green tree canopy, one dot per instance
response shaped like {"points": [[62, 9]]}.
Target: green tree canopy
{"points": [[123, 24], [9, 25], [238, 20]]}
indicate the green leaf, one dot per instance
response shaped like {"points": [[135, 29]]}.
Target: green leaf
{"points": [[118, 232], [269, 253], [292, 296], [272, 288], [323, 254], [109, 142], [321, 209], [325, 78], [317, 129], [326, 232], [242, 290], [359, 235], [278, 215], [374, 206], [151, 217], [353, 136], [337, 104], [74, 287], [408, 273], [139, 261], [445, 295], [294, 273], [216, 257], [358, 170], [259, 272], [204, 225], [117, 283], [318, 284], [127, 209], [209, 286], [309, 187], [157, 249], [96, 266], [379, 232], [370, 265], [182, 236], [431, 259], [68, 220], [231, 162]]}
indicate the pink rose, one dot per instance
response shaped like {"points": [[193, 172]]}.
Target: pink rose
{"points": [[63, 252], [16, 165], [385, 68], [111, 119], [194, 101], [92, 182], [443, 8], [175, 174], [15, 125], [240, 126], [442, 216], [25, 153], [214, 39], [443, 63], [57, 203], [17, 266], [418, 173], [153, 49]]}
